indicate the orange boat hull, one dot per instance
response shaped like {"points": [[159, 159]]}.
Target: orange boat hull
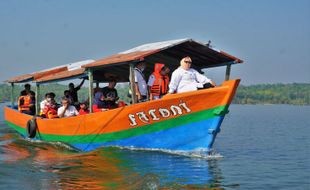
{"points": [[183, 121]]}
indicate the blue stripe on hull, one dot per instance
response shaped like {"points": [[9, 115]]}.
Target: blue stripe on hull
{"points": [[185, 138]]}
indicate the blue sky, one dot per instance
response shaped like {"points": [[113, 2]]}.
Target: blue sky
{"points": [[271, 36]]}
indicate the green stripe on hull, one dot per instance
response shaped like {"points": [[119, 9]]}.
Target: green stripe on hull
{"points": [[16, 127], [136, 131]]}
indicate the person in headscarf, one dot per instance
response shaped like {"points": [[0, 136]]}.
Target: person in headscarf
{"points": [[158, 81], [185, 78]]}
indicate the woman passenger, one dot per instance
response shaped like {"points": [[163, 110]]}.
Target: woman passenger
{"points": [[185, 79]]}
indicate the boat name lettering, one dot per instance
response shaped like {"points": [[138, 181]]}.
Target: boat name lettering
{"points": [[156, 115]]}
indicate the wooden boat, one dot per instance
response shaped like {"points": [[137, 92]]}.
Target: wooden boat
{"points": [[180, 122]]}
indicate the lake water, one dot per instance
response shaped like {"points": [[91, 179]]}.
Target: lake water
{"points": [[262, 147]]}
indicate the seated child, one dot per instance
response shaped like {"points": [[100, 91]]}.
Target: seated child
{"points": [[83, 109]]}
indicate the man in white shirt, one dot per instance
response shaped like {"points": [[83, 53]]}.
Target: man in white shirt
{"points": [[140, 82], [185, 79], [66, 110]]}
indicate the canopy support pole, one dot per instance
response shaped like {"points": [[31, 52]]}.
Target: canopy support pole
{"points": [[37, 99], [132, 83], [227, 75], [12, 94], [91, 90]]}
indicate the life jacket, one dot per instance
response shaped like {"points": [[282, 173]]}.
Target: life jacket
{"points": [[160, 85], [121, 104], [96, 109], [24, 103], [50, 112], [83, 112]]}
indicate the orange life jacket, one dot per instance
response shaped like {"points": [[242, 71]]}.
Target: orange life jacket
{"points": [[50, 112], [160, 85], [25, 106]]}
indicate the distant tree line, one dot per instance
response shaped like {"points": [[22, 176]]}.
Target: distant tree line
{"points": [[296, 93]]}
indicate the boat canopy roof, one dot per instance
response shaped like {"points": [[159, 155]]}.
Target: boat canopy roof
{"points": [[168, 52], [61, 72], [117, 66]]}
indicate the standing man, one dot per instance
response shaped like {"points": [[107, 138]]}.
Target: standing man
{"points": [[26, 103], [158, 81], [140, 82], [26, 90], [73, 92]]}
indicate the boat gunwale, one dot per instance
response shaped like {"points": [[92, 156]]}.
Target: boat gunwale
{"points": [[167, 97]]}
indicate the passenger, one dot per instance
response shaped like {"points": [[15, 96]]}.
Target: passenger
{"points": [[26, 103], [66, 110], [53, 95], [101, 104], [140, 82], [73, 92], [68, 96], [185, 79], [47, 99], [83, 109], [98, 101], [26, 90], [158, 81], [50, 109], [110, 95], [98, 95]]}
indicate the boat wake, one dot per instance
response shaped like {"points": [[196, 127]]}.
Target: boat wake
{"points": [[199, 153], [57, 145]]}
